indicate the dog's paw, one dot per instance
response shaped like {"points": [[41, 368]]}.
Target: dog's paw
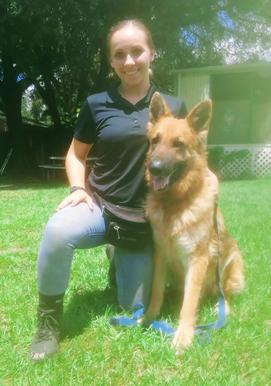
{"points": [[145, 320], [150, 314], [182, 339]]}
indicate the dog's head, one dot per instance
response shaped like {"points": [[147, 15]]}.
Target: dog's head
{"points": [[176, 145]]}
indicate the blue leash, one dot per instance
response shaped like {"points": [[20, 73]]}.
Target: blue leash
{"points": [[126, 321], [166, 329]]}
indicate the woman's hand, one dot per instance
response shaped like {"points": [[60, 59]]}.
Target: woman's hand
{"points": [[76, 198]]}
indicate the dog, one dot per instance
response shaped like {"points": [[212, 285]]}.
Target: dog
{"points": [[180, 206]]}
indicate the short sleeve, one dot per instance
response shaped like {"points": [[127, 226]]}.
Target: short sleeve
{"points": [[85, 127]]}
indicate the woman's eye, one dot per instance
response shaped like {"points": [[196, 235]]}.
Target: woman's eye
{"points": [[119, 55], [136, 52]]}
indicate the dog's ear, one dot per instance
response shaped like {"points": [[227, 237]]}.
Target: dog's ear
{"points": [[200, 116], [158, 108]]}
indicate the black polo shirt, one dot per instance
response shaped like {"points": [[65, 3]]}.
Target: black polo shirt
{"points": [[117, 130]]}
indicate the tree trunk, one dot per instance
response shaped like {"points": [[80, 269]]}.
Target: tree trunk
{"points": [[101, 82], [11, 92], [61, 137], [48, 95]]}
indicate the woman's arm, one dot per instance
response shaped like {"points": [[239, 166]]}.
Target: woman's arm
{"points": [[76, 162], [76, 171]]}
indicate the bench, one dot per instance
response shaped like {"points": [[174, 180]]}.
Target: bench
{"points": [[57, 164], [50, 170]]}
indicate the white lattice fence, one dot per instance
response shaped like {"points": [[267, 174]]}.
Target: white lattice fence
{"points": [[244, 160]]}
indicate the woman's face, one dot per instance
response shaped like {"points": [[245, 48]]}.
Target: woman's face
{"points": [[131, 56]]}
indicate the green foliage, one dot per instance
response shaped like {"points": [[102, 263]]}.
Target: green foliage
{"points": [[60, 45], [93, 352]]}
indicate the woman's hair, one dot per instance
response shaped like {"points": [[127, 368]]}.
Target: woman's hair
{"points": [[123, 23]]}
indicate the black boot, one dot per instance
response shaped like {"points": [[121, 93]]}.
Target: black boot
{"points": [[46, 340]]}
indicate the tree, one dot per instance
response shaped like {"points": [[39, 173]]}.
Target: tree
{"points": [[11, 88], [59, 46]]}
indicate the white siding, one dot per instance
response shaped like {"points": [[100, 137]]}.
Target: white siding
{"points": [[193, 88]]}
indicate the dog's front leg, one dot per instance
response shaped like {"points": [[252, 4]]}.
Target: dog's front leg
{"points": [[194, 278], [158, 288]]}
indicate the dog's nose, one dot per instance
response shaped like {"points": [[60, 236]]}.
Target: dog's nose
{"points": [[156, 168]]}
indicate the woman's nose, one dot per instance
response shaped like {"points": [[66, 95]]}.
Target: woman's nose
{"points": [[129, 60]]}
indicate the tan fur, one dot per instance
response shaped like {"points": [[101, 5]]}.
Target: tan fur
{"points": [[182, 218]]}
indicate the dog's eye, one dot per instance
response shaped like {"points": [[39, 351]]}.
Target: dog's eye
{"points": [[155, 139], [178, 143]]}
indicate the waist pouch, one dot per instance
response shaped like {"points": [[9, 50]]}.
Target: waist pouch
{"points": [[125, 227]]}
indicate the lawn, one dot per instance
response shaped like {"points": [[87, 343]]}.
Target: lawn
{"points": [[93, 352]]}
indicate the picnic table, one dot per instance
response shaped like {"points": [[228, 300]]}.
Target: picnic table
{"points": [[51, 169], [55, 167]]}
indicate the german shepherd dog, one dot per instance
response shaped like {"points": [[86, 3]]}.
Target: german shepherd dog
{"points": [[181, 208]]}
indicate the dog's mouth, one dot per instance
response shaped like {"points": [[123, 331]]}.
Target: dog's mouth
{"points": [[161, 183]]}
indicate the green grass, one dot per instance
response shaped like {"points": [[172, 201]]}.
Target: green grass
{"points": [[93, 352]]}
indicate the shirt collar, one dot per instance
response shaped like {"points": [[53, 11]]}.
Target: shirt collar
{"points": [[114, 97]]}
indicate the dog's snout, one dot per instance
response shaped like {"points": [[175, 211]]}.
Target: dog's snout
{"points": [[156, 167]]}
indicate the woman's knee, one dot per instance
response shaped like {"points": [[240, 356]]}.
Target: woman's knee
{"points": [[59, 233], [56, 232], [75, 227]]}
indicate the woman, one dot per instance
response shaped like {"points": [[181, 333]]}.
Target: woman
{"points": [[113, 125]]}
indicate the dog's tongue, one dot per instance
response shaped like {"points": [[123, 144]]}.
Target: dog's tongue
{"points": [[160, 183]]}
